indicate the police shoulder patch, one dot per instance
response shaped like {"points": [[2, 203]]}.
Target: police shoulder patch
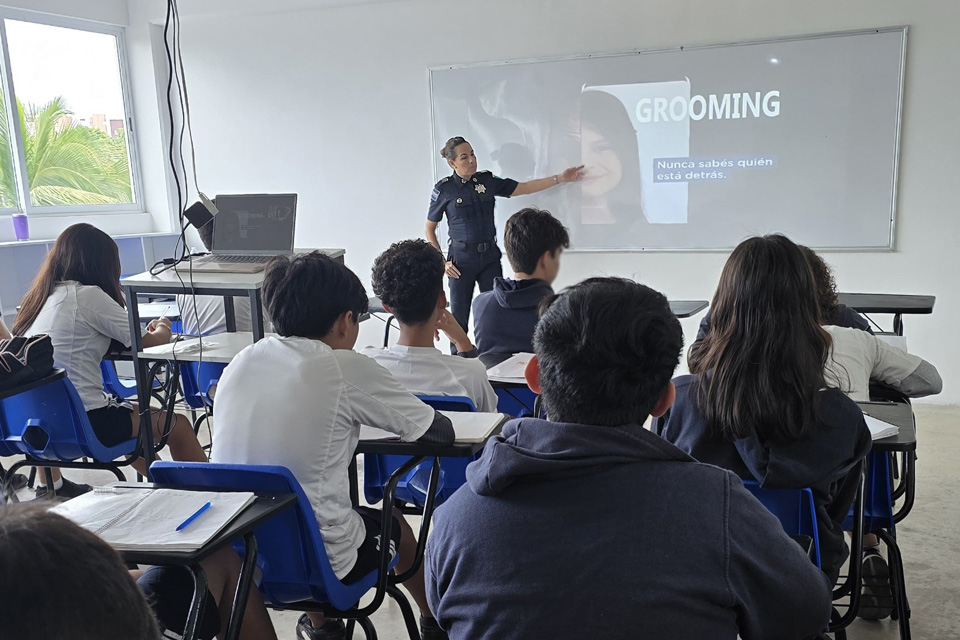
{"points": [[435, 195]]}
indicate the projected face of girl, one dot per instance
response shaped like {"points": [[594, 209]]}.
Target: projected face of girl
{"points": [[604, 170]]}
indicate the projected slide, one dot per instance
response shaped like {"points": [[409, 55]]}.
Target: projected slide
{"points": [[695, 149]]}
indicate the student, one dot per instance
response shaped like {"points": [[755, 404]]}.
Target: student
{"points": [[298, 400], [408, 279], [76, 300], [205, 315], [832, 312], [60, 581], [589, 526], [757, 401], [95, 596], [505, 317]]}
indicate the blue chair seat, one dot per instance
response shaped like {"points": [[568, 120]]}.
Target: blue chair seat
{"points": [[49, 423], [197, 379]]}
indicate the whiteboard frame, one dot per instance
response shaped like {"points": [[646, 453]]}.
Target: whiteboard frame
{"points": [[895, 195]]}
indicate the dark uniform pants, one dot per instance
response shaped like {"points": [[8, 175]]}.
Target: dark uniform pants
{"points": [[476, 268]]}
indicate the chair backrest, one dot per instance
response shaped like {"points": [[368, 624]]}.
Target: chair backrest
{"points": [[197, 378], [412, 488], [290, 550], [49, 423], [518, 402], [878, 496], [112, 383], [793, 507]]}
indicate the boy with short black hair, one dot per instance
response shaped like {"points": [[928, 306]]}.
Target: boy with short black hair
{"points": [[590, 526], [506, 316], [298, 401], [408, 279]]}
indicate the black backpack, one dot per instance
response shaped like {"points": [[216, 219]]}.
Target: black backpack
{"points": [[24, 360]]}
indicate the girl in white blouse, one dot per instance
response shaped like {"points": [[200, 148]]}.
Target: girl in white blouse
{"points": [[76, 300]]}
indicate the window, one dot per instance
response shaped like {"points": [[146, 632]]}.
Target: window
{"points": [[64, 139]]}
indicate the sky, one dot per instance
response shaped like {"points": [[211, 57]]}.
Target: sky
{"points": [[52, 61]]}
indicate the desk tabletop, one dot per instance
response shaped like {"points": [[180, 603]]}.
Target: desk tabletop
{"points": [[266, 506], [888, 303], [56, 374], [153, 310], [219, 347], [895, 413], [176, 281], [399, 448], [687, 308]]}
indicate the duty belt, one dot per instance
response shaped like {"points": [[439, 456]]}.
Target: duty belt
{"points": [[479, 247]]}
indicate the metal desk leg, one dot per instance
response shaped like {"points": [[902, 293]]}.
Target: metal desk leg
{"points": [[428, 508], [354, 481], [229, 313], [910, 481], [144, 386], [192, 627], [256, 315], [898, 324], [244, 584]]}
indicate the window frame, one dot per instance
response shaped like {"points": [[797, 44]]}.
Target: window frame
{"points": [[17, 147]]}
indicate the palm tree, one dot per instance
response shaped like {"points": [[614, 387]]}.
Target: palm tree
{"points": [[67, 164]]}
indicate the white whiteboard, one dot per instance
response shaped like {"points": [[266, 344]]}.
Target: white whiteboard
{"points": [[695, 148]]}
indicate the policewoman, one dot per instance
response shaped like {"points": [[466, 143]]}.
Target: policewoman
{"points": [[467, 197]]}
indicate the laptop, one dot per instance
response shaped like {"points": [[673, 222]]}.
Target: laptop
{"points": [[248, 232]]}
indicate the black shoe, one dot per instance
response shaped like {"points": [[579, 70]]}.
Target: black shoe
{"points": [[331, 630], [876, 599], [14, 481], [67, 491], [430, 629]]}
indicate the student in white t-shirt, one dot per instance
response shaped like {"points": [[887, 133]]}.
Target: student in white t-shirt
{"points": [[76, 300], [298, 401], [408, 279]]}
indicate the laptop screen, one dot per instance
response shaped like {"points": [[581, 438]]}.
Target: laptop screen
{"points": [[255, 224]]}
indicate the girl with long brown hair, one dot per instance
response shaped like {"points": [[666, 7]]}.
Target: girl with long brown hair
{"points": [[756, 401], [76, 300]]}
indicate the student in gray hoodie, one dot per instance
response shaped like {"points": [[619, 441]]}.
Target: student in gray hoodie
{"points": [[506, 316], [587, 525]]}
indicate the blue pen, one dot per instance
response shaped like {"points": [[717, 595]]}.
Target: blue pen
{"points": [[196, 515]]}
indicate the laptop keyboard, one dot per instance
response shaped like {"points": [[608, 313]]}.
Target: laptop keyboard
{"points": [[242, 259]]}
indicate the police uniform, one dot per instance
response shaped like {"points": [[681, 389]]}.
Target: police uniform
{"points": [[469, 204]]}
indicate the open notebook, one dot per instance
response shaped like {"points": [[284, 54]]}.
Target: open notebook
{"points": [[880, 429], [511, 369], [469, 427], [133, 519]]}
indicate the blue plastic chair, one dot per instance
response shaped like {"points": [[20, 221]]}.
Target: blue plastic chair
{"points": [[113, 385], [290, 552], [48, 425], [518, 402], [197, 379], [412, 488], [794, 508]]}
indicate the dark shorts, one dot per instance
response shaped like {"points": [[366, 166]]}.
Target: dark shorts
{"points": [[169, 591], [113, 423], [368, 555]]}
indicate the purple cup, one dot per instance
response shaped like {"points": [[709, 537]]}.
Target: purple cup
{"points": [[21, 228]]}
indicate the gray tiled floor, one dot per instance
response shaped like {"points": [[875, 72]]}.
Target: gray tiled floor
{"points": [[928, 539]]}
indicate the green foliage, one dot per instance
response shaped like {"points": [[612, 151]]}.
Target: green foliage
{"points": [[67, 164]]}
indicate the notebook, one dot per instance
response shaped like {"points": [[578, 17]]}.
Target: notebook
{"points": [[880, 429], [469, 426], [511, 369], [134, 519]]}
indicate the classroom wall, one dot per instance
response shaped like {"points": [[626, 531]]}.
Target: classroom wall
{"points": [[332, 102]]}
